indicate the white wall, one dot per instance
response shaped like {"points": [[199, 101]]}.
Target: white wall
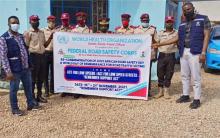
{"points": [[210, 8], [23, 9], [9, 8]]}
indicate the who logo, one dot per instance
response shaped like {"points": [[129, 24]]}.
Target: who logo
{"points": [[62, 39]]}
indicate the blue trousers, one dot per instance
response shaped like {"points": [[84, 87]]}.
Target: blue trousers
{"points": [[25, 77]]}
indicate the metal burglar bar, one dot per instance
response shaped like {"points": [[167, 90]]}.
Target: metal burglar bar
{"points": [[94, 8], [100, 9]]}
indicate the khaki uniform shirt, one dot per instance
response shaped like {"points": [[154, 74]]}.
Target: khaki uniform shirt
{"points": [[165, 36], [122, 30], [35, 41], [63, 29], [83, 30], [47, 32], [151, 31]]}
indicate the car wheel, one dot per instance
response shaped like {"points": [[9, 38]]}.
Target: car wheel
{"points": [[206, 69]]}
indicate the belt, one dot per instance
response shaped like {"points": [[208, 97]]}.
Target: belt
{"points": [[166, 54], [36, 54], [47, 51], [186, 46]]}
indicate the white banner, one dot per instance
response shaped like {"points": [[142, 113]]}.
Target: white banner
{"points": [[110, 65]]}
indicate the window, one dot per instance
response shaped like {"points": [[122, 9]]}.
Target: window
{"points": [[71, 6]]}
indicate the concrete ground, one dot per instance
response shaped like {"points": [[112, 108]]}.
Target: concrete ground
{"points": [[109, 117]]}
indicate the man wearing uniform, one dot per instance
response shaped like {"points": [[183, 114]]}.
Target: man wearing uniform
{"points": [[35, 40], [65, 20], [166, 59], [104, 26], [145, 28], [81, 26], [193, 38], [48, 33], [65, 27], [125, 28]]}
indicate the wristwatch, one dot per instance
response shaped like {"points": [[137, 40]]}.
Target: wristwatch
{"points": [[203, 53]]}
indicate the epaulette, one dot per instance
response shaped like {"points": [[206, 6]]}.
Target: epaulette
{"points": [[98, 32], [57, 26], [153, 26], [134, 27], [90, 29], [73, 27], [118, 27], [110, 32]]}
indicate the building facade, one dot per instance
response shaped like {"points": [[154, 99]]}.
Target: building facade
{"points": [[113, 9]]}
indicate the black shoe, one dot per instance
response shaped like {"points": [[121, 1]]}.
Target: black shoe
{"points": [[52, 91], [35, 102], [41, 99], [76, 96], [63, 94], [18, 112], [149, 94], [46, 95], [195, 104], [183, 99], [34, 107]]}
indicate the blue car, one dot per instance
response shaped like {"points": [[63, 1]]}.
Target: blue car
{"points": [[213, 51]]}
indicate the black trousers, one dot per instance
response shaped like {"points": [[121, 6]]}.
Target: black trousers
{"points": [[165, 69], [49, 75], [38, 72]]}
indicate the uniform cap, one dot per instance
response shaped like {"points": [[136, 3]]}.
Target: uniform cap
{"points": [[125, 16], [51, 17], [65, 16], [34, 18], [169, 18], [104, 21], [83, 14], [144, 15]]}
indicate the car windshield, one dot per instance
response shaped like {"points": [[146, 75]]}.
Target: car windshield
{"points": [[216, 35]]}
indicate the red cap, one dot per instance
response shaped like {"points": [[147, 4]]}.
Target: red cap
{"points": [[169, 18], [65, 16], [125, 16], [145, 15], [83, 14], [51, 17], [34, 18]]}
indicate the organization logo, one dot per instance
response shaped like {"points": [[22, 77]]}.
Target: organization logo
{"points": [[60, 52], [198, 24], [62, 39], [142, 54]]}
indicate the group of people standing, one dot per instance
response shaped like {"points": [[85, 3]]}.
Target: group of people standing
{"points": [[28, 57]]}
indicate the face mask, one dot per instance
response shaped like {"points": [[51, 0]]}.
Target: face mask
{"points": [[189, 15], [145, 25], [81, 22], [51, 25], [15, 27], [65, 23], [35, 25], [125, 24], [169, 25], [104, 29]]}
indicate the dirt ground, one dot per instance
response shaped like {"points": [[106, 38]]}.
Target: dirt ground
{"points": [[108, 117]]}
